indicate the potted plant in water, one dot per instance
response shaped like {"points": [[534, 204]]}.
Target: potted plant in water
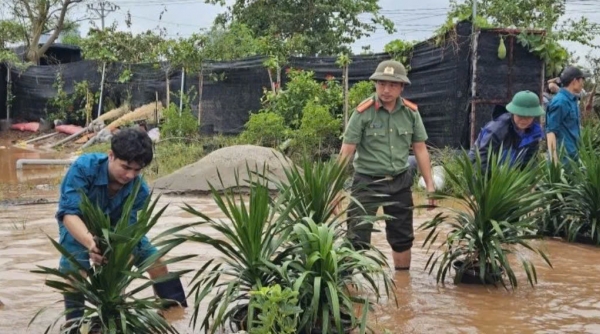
{"points": [[270, 242], [319, 274], [583, 203], [250, 248], [498, 213], [113, 303], [321, 270]]}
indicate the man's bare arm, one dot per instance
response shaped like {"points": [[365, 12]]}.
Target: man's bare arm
{"points": [[79, 231], [424, 162], [347, 153], [551, 141]]}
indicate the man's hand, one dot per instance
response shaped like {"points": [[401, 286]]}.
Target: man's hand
{"points": [[337, 203], [431, 201], [95, 254]]}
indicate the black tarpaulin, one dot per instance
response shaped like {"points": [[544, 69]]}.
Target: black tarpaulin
{"points": [[440, 76]]}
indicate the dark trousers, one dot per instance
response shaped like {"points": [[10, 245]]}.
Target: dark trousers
{"points": [[396, 197]]}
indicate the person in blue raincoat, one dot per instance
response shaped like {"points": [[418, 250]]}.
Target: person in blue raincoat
{"points": [[516, 132]]}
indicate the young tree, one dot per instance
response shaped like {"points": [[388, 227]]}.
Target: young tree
{"points": [[233, 41], [329, 27], [39, 17], [9, 33]]}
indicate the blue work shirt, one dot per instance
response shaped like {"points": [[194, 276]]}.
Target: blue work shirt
{"points": [[563, 120], [90, 174]]}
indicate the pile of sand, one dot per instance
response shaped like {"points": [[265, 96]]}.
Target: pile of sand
{"points": [[195, 178]]}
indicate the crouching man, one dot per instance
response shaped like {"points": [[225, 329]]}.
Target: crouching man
{"points": [[517, 133], [107, 180]]}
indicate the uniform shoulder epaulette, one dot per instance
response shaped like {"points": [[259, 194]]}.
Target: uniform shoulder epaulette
{"points": [[410, 105], [365, 104]]}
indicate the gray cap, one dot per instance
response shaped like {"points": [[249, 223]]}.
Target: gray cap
{"points": [[571, 72]]}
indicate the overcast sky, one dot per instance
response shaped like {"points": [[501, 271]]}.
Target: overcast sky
{"points": [[415, 20]]}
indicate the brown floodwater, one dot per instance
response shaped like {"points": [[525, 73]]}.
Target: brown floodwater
{"points": [[39, 174], [566, 300]]}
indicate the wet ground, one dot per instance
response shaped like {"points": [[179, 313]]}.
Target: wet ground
{"points": [[566, 300], [32, 181]]}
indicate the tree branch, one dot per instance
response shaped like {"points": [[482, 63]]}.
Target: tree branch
{"points": [[59, 25]]}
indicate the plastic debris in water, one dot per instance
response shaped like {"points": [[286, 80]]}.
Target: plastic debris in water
{"points": [[85, 328]]}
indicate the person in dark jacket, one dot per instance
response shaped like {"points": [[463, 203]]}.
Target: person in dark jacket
{"points": [[516, 132]]}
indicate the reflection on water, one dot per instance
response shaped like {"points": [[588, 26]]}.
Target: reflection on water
{"points": [[566, 300], [30, 173]]}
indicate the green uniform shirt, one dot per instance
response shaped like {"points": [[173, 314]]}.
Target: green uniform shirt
{"points": [[383, 138]]}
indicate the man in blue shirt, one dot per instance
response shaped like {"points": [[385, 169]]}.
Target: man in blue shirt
{"points": [[563, 119], [516, 132], [107, 180]]}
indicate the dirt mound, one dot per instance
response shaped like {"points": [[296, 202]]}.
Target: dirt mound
{"points": [[195, 178]]}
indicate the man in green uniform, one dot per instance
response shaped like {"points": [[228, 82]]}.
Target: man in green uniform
{"points": [[379, 135]]}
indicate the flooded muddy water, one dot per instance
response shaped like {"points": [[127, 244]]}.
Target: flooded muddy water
{"points": [[9, 174], [566, 300]]}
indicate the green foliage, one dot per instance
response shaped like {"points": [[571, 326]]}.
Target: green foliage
{"points": [[325, 27], [62, 101], [265, 129], [318, 126], [582, 206], [401, 51], [113, 304], [234, 41], [526, 14], [550, 51], [359, 92], [33, 18], [112, 45], [10, 32], [321, 265], [448, 158], [498, 212], [179, 123], [250, 247], [309, 189], [277, 310], [299, 91], [324, 261], [183, 52]]}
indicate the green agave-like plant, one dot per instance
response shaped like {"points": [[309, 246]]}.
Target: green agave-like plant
{"points": [[583, 204], [250, 248], [311, 190], [319, 274], [557, 185], [113, 304], [500, 212], [326, 264]]}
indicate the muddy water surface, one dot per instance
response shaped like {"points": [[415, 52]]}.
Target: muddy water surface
{"points": [[10, 175], [567, 299]]}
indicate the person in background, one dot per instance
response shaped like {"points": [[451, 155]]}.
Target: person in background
{"points": [[552, 87], [563, 124], [516, 132]]}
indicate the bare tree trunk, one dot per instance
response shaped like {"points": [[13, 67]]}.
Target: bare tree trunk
{"points": [[168, 88], [271, 81], [38, 18], [346, 97], [201, 85]]}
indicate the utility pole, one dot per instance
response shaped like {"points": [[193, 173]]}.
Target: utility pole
{"points": [[102, 9]]}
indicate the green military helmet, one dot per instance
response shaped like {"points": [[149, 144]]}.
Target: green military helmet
{"points": [[390, 70], [526, 103]]}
